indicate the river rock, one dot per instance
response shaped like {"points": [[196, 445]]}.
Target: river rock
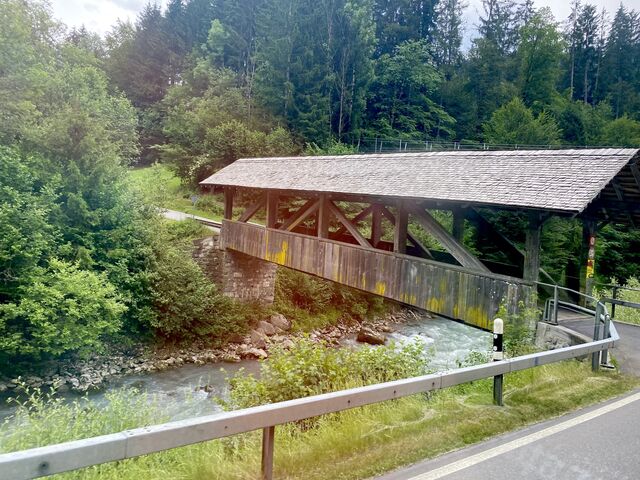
{"points": [[230, 358], [280, 321], [366, 335], [266, 327], [258, 339], [235, 338], [256, 353]]}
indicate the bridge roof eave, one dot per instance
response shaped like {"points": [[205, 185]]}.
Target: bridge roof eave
{"points": [[430, 203], [565, 182]]}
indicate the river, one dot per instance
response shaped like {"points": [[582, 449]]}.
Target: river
{"points": [[177, 391]]}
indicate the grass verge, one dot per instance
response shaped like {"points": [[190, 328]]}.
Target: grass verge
{"points": [[162, 188], [631, 293], [366, 441]]}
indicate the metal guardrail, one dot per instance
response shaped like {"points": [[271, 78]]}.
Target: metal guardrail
{"points": [[79, 454]]}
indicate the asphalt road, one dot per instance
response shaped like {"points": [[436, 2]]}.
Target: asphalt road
{"points": [[180, 216], [627, 351], [599, 442]]}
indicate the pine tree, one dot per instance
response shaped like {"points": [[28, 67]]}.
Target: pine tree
{"points": [[448, 34], [586, 54], [539, 55], [619, 60], [398, 21]]}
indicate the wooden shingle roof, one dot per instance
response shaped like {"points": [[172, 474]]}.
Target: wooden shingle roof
{"points": [[555, 180]]}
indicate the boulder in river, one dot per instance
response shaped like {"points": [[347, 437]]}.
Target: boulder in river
{"points": [[266, 327], [256, 353], [230, 358], [366, 335], [280, 321], [258, 339]]}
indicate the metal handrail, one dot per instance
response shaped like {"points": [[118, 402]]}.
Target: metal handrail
{"points": [[78, 454], [600, 313]]}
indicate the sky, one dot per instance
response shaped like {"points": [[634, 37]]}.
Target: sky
{"points": [[100, 15]]}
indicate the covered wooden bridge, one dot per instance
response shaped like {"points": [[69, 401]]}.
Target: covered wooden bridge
{"points": [[347, 218]]}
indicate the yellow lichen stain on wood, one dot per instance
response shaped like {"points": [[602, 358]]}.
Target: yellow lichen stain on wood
{"points": [[408, 298], [279, 257], [363, 281], [435, 305], [381, 287], [476, 316]]}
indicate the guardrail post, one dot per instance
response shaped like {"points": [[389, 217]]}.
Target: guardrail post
{"points": [[268, 437], [555, 304], [614, 295], [604, 359], [595, 356], [498, 355]]}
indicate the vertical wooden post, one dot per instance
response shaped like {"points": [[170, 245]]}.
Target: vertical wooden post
{"points": [[228, 202], [532, 248], [458, 224], [268, 438], [400, 232], [588, 256], [323, 217], [272, 209], [376, 224]]}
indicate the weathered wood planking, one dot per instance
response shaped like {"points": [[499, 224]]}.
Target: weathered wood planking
{"points": [[470, 296]]}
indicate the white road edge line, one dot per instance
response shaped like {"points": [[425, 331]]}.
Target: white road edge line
{"points": [[521, 442]]}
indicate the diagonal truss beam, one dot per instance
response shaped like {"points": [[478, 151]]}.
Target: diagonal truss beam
{"points": [[453, 246], [635, 171], [308, 209], [358, 218], [351, 228], [253, 209], [392, 220], [504, 243], [621, 198]]}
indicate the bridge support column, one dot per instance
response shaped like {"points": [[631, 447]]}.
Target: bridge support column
{"points": [[401, 229], [587, 256], [376, 224], [458, 224], [532, 248], [237, 275], [228, 202]]}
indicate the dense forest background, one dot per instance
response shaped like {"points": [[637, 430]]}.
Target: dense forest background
{"points": [[201, 83], [214, 80]]}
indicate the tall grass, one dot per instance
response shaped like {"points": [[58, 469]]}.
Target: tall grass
{"points": [[354, 444]]}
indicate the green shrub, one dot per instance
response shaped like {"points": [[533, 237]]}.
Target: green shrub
{"points": [[187, 304], [519, 334], [312, 302], [64, 309], [186, 230], [310, 368]]}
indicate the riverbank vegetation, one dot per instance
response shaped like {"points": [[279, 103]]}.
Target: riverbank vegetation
{"points": [[360, 443]]}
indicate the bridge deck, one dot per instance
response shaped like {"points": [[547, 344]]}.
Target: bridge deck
{"points": [[455, 292]]}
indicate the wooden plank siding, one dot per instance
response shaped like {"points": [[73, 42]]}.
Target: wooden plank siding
{"points": [[448, 290]]}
